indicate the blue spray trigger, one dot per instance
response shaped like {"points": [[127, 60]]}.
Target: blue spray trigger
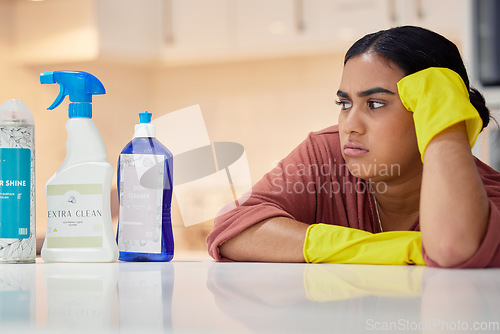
{"points": [[59, 98], [79, 86]]}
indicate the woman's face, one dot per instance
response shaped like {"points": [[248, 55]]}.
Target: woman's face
{"points": [[377, 133]]}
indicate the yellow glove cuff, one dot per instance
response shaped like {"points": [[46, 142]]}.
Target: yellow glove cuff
{"points": [[326, 243], [438, 99]]}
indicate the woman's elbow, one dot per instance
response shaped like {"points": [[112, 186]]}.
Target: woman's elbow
{"points": [[230, 250], [449, 253]]}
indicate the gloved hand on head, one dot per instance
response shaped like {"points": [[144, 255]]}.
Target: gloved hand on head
{"points": [[438, 99]]}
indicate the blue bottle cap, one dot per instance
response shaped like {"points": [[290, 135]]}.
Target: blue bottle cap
{"points": [[145, 117]]}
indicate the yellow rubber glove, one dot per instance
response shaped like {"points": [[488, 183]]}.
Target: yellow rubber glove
{"points": [[326, 243], [438, 99]]}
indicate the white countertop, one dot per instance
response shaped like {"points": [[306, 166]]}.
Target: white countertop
{"points": [[200, 296]]}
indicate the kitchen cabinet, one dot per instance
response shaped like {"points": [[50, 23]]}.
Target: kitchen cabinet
{"points": [[176, 32], [311, 26], [261, 28], [54, 31], [195, 29], [294, 27], [444, 16], [61, 31], [230, 30], [340, 23], [263, 23], [128, 30], [241, 29]]}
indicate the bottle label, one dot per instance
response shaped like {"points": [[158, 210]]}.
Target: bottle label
{"points": [[74, 216], [15, 190], [141, 203]]}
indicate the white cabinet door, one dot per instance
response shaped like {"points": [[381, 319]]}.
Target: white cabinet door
{"points": [[60, 31], [129, 30], [445, 17], [342, 22], [305, 26], [51, 32], [199, 31], [195, 29], [265, 23]]}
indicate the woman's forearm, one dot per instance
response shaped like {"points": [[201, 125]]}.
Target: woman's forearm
{"points": [[277, 239], [454, 207]]}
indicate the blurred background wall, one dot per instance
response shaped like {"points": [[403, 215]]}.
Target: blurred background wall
{"points": [[264, 72]]}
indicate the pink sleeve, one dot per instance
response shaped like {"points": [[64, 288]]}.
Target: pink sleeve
{"points": [[488, 253], [273, 196]]}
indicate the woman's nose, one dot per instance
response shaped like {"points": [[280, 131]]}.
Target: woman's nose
{"points": [[352, 121]]}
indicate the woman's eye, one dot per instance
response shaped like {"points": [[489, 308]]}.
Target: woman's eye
{"points": [[344, 105], [375, 104]]}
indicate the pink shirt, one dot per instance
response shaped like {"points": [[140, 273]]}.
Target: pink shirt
{"points": [[313, 185]]}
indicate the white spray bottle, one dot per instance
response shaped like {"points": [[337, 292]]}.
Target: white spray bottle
{"points": [[79, 227]]}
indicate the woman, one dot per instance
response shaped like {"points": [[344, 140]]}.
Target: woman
{"points": [[394, 183]]}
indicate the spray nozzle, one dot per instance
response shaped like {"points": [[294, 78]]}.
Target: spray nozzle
{"points": [[79, 86]]}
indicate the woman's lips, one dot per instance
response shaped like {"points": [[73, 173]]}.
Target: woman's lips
{"points": [[354, 149]]}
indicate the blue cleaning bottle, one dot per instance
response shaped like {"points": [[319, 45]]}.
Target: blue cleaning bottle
{"points": [[145, 195]]}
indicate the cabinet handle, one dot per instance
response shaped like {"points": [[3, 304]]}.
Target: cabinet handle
{"points": [[168, 24], [393, 12], [300, 24], [420, 10]]}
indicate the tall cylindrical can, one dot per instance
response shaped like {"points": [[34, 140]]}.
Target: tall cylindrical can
{"points": [[17, 183]]}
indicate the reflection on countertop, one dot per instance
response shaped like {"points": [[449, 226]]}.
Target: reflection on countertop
{"points": [[201, 296]]}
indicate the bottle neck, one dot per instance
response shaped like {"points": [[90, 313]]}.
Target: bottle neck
{"points": [[147, 130]]}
